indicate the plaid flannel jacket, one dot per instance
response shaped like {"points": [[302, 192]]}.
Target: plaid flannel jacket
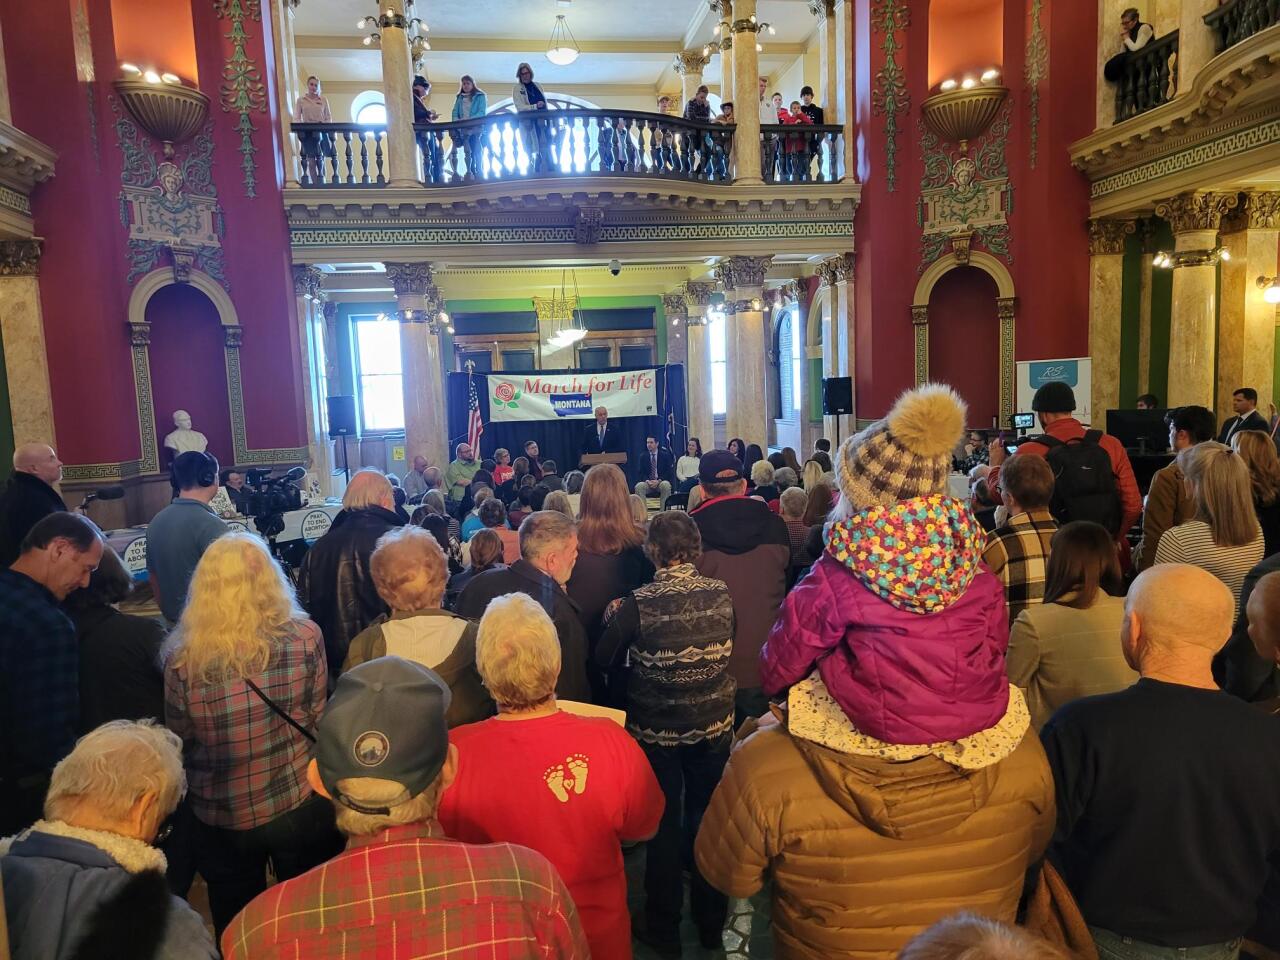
{"points": [[1018, 553], [245, 765], [410, 892]]}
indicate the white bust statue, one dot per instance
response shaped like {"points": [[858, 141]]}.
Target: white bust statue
{"points": [[184, 439]]}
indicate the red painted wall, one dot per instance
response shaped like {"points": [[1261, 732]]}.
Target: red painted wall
{"points": [[188, 369], [964, 340]]}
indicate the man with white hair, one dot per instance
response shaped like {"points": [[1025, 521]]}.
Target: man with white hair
{"points": [[403, 887], [88, 874], [1167, 813], [414, 483], [334, 584], [28, 496], [548, 551], [572, 788]]}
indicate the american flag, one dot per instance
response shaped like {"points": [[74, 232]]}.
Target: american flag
{"points": [[475, 426]]}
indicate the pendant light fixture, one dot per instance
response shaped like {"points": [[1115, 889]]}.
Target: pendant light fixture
{"points": [[563, 49]]}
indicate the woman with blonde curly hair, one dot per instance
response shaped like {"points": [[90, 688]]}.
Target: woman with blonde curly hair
{"points": [[243, 658], [1258, 451]]}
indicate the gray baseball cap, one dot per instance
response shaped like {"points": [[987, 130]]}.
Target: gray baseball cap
{"points": [[386, 720]]}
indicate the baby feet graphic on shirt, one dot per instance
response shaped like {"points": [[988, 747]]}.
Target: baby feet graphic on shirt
{"points": [[577, 764], [554, 776]]}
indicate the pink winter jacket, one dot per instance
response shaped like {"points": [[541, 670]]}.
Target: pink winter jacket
{"points": [[906, 627]]}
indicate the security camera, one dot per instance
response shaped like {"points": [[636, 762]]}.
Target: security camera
{"points": [[615, 267]]}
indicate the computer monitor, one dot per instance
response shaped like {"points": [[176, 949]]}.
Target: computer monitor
{"points": [[1143, 431]]}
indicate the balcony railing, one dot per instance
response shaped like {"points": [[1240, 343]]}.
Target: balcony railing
{"points": [[1238, 20], [565, 143], [1148, 79]]}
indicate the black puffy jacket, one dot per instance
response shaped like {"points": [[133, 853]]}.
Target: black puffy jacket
{"points": [[335, 585]]}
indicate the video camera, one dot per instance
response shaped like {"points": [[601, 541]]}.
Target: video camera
{"points": [[271, 497]]}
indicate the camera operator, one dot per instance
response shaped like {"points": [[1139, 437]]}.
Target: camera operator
{"points": [[180, 533]]}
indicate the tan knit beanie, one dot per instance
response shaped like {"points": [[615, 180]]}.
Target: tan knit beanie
{"points": [[905, 455]]}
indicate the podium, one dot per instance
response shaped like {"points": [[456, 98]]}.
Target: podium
{"points": [[589, 460]]}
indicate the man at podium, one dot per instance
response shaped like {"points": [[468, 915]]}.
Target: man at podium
{"points": [[600, 437]]}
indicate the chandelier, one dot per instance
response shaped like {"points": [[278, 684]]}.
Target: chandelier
{"points": [[562, 49], [414, 27], [565, 312]]}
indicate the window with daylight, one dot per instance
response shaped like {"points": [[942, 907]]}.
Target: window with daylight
{"points": [[369, 109], [717, 334], [789, 360], [378, 376]]}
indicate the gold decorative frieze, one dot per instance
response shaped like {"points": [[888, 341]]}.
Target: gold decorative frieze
{"points": [[1190, 212], [1258, 210], [1106, 237], [690, 62], [410, 279], [736, 273], [308, 282], [833, 270], [20, 258], [675, 305], [698, 293]]}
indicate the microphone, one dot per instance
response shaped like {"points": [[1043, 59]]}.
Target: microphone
{"points": [[104, 493]]}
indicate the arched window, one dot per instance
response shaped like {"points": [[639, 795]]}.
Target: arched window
{"points": [[369, 109], [555, 101], [790, 354], [717, 335]]}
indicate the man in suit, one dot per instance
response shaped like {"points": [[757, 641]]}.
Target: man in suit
{"points": [[28, 497], [1245, 403], [655, 471], [600, 437]]}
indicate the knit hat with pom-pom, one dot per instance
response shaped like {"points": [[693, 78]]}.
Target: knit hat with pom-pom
{"points": [[905, 455]]}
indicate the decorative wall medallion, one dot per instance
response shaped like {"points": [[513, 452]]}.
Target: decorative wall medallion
{"points": [[889, 95], [962, 195], [243, 91], [1035, 71], [169, 207]]}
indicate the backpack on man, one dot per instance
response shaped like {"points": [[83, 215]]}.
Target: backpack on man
{"points": [[1084, 483]]}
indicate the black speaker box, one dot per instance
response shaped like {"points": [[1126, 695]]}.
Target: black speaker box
{"points": [[342, 416], [837, 396]]}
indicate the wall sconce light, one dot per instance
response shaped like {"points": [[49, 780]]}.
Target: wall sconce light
{"points": [[162, 104], [1270, 287], [964, 107], [414, 28], [757, 303]]}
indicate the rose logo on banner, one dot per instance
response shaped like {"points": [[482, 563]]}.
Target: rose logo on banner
{"points": [[506, 395]]}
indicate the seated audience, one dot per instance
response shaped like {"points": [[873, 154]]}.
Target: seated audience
{"points": [[792, 459], [1169, 503], [485, 552], [912, 762], [811, 474], [462, 470], [435, 479], [739, 449], [639, 511], [696, 496], [753, 456], [1165, 791], [558, 501], [746, 545], [572, 788], [522, 507], [611, 560], [676, 633], [28, 496], [1065, 647], [573, 481], [687, 465], [1224, 538], [242, 651], [791, 508], [550, 479], [1238, 668], [409, 570], [822, 445], [494, 517], [433, 500], [180, 533], [818, 504], [502, 470], [984, 505], [776, 460], [784, 477], [548, 552], [88, 877], [334, 585], [471, 519], [414, 483], [966, 936], [1258, 451], [438, 527], [519, 470], [1018, 549], [822, 459], [533, 460], [762, 482], [655, 471], [1148, 401], [403, 887], [39, 682], [120, 675]]}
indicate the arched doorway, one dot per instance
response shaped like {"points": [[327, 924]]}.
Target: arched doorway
{"points": [[963, 333]]}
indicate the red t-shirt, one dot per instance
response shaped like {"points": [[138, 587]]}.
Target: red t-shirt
{"points": [[569, 787]]}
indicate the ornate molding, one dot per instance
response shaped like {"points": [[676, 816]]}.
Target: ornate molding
{"points": [[243, 91], [234, 336], [675, 305], [20, 258], [24, 160], [1259, 210], [688, 62], [920, 328], [1106, 237], [1006, 310], [721, 8], [960, 246], [1035, 71], [889, 96], [588, 222], [833, 270], [919, 315], [184, 259], [734, 273], [822, 9], [308, 282], [410, 279], [698, 293], [139, 334], [1190, 212]]}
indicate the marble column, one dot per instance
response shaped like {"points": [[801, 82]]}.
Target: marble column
{"points": [[1106, 275], [746, 94], [842, 99], [22, 333], [287, 80], [397, 87], [743, 281], [723, 9], [426, 421], [698, 369], [309, 301], [1195, 218], [828, 51], [689, 65], [836, 274], [1246, 322], [677, 312]]}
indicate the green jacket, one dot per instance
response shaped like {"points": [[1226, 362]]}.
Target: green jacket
{"points": [[458, 477]]}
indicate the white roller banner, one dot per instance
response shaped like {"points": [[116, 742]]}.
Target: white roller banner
{"points": [[571, 396]]}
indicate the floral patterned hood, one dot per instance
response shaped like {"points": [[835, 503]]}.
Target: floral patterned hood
{"points": [[919, 554]]}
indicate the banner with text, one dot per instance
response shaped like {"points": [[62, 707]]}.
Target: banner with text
{"points": [[571, 396]]}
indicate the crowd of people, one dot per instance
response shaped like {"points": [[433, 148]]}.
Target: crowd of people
{"points": [[824, 679]]}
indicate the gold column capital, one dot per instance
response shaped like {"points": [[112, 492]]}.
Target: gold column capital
{"points": [[1106, 237], [675, 304], [410, 279], [698, 293], [736, 272], [1258, 210], [1189, 212], [822, 9], [690, 62], [20, 258], [837, 269], [308, 282]]}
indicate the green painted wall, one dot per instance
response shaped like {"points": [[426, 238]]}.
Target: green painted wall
{"points": [[1130, 320], [815, 389], [6, 420], [1161, 310]]}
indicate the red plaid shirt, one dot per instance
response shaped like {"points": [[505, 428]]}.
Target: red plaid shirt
{"points": [[411, 892], [245, 765]]}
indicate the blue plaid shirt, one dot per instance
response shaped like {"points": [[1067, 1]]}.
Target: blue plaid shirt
{"points": [[39, 678]]}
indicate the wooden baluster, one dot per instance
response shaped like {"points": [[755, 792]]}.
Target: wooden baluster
{"points": [[377, 153]]}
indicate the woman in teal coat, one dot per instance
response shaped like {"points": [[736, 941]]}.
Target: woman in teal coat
{"points": [[471, 102]]}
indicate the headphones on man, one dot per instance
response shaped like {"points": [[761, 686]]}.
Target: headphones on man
{"points": [[195, 468]]}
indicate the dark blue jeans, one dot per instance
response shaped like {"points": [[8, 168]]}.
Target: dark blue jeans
{"points": [[687, 774], [1113, 946]]}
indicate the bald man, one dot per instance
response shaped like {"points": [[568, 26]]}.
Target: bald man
{"points": [[1167, 809], [600, 437], [28, 497]]}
